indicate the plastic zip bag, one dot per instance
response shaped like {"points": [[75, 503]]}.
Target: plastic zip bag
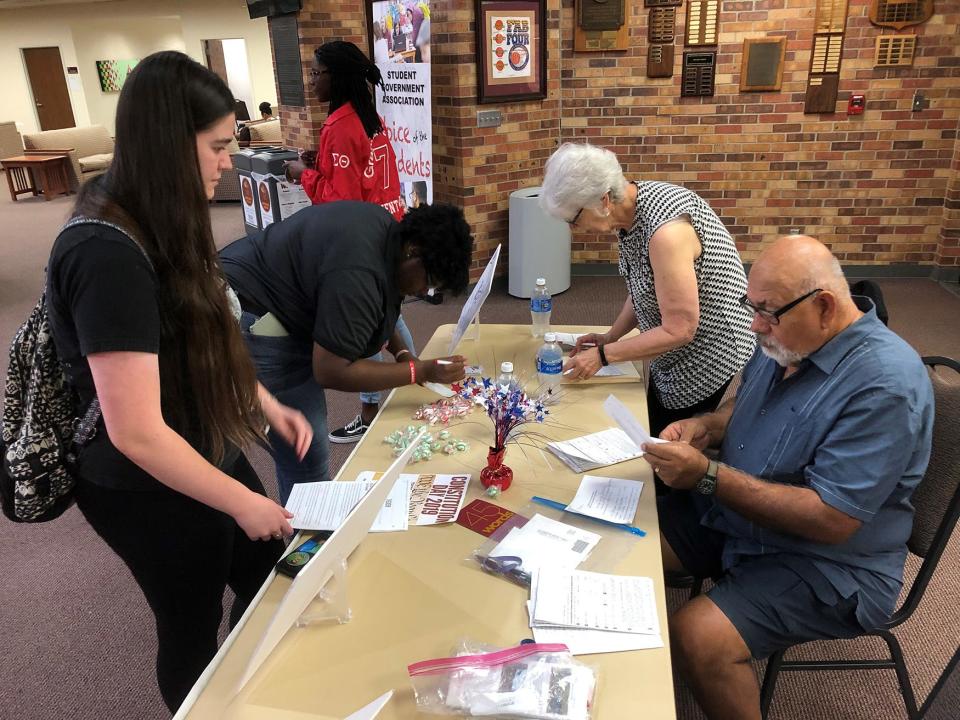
{"points": [[527, 681]]}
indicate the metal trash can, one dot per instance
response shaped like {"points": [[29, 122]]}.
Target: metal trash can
{"points": [[277, 198], [539, 246]]}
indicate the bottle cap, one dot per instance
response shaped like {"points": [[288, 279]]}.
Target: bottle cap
{"points": [[550, 337], [541, 281], [506, 367]]}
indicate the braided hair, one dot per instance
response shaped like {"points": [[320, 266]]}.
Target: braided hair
{"points": [[350, 73]]}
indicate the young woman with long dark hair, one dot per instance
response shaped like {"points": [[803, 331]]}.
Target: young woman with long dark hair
{"points": [[149, 331]]}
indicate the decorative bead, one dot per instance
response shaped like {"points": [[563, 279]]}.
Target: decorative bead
{"points": [[493, 491]]}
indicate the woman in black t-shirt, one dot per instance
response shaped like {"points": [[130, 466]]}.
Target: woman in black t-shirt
{"points": [[150, 331]]}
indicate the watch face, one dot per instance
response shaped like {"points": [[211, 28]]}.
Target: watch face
{"points": [[707, 485]]}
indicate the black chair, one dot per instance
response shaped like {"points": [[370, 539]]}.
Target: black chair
{"points": [[870, 289], [937, 504], [944, 698]]}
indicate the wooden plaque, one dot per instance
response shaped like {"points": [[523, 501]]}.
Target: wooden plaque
{"points": [[699, 73], [661, 25], [701, 25], [762, 64], [822, 93], [898, 14], [585, 40], [895, 50], [660, 61], [600, 14]]}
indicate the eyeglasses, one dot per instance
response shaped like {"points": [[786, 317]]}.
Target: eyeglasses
{"points": [[575, 218], [773, 316], [318, 73]]}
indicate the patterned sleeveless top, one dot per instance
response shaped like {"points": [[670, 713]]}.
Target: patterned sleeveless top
{"points": [[723, 341]]}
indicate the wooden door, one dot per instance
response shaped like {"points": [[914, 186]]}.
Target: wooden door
{"points": [[49, 86]]}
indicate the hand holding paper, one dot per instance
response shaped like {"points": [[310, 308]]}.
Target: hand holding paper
{"points": [[619, 413]]}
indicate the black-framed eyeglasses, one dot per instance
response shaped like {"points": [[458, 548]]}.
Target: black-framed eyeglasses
{"points": [[575, 217], [773, 316], [318, 73]]}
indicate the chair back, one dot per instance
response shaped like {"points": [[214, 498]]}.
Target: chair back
{"points": [[870, 289], [937, 496]]}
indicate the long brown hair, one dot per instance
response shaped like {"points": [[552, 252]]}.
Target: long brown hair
{"points": [[153, 189]]}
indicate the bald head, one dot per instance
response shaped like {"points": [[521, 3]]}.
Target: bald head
{"points": [[796, 264]]}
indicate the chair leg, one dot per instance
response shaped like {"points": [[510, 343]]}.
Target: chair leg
{"points": [[903, 677], [770, 682]]}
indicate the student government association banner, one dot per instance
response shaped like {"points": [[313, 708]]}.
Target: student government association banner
{"points": [[400, 38]]}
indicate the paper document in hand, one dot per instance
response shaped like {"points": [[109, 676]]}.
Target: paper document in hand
{"points": [[436, 499], [473, 304], [614, 370], [619, 413], [568, 339], [612, 499], [325, 505], [577, 598], [543, 541], [441, 390], [607, 447]]}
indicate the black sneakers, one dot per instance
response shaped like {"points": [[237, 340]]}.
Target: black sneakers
{"points": [[349, 433]]}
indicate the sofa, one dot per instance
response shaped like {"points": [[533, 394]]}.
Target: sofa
{"points": [[265, 132], [90, 149], [10, 142]]}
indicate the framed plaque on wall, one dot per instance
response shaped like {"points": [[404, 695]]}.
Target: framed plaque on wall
{"points": [[511, 50]]}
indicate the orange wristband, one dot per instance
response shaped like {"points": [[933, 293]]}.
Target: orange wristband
{"points": [[413, 373]]}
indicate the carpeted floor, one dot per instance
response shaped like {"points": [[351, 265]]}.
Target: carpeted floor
{"points": [[78, 640]]}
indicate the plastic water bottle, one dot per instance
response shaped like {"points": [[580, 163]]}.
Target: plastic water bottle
{"points": [[549, 363], [540, 306], [505, 380]]}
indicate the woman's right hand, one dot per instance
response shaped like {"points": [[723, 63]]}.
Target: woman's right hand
{"points": [[450, 371], [294, 169], [590, 340], [263, 519]]}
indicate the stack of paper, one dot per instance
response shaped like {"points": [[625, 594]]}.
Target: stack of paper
{"points": [[606, 447], [612, 499], [593, 612], [544, 542]]}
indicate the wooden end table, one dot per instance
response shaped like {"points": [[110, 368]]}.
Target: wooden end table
{"points": [[46, 173]]}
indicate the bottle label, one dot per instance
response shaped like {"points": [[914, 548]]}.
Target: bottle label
{"points": [[549, 367], [540, 304]]}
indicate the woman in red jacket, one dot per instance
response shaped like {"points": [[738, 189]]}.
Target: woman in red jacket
{"points": [[355, 160]]}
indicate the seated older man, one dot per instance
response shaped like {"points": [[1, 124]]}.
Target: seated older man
{"points": [[804, 521]]}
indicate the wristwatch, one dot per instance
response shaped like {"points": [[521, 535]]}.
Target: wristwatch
{"points": [[708, 483]]}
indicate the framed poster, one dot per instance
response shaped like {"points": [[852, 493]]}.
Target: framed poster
{"points": [[511, 50]]}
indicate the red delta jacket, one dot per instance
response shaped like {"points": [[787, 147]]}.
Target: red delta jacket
{"points": [[351, 166]]}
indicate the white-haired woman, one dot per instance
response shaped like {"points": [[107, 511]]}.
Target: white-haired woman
{"points": [[684, 281]]}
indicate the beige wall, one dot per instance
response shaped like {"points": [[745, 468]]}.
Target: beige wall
{"points": [[88, 32]]}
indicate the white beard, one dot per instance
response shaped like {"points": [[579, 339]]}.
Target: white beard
{"points": [[778, 353]]}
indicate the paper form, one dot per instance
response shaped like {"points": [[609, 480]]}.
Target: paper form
{"points": [[607, 447], [577, 598], [543, 541], [584, 641], [619, 413], [611, 371], [612, 499], [325, 505], [473, 304]]}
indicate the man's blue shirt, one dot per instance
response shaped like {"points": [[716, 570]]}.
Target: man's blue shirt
{"points": [[854, 424]]}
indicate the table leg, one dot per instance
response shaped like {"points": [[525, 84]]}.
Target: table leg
{"points": [[9, 173]]}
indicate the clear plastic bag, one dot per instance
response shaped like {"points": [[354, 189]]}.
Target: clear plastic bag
{"points": [[527, 681]]}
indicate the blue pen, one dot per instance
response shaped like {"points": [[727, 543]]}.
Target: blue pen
{"points": [[560, 506]]}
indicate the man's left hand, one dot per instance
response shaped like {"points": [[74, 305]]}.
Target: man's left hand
{"points": [[678, 464]]}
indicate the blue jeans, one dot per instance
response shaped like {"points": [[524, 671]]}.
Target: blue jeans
{"points": [[285, 367], [373, 398]]}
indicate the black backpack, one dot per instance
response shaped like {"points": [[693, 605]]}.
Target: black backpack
{"points": [[40, 435]]}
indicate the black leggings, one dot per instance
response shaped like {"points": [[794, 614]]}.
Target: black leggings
{"points": [[182, 554]]}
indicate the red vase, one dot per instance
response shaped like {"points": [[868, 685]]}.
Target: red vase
{"points": [[496, 473]]}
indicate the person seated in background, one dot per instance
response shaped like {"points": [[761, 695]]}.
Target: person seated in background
{"points": [[684, 279], [266, 111], [321, 291], [422, 43], [804, 521]]}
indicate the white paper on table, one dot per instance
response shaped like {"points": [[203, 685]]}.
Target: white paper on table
{"points": [[578, 598], [441, 390], [569, 339], [473, 304], [435, 499], [584, 641], [614, 370], [613, 499], [368, 712], [619, 413], [544, 541], [607, 447], [325, 505]]}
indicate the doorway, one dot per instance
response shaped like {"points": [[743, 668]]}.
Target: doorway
{"points": [[228, 59], [49, 87]]}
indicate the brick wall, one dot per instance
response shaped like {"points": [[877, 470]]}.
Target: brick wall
{"points": [[872, 186]]}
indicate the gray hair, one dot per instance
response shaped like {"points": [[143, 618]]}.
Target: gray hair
{"points": [[578, 175]]}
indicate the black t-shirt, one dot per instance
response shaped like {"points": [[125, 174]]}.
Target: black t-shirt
{"points": [[102, 297], [328, 273]]}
